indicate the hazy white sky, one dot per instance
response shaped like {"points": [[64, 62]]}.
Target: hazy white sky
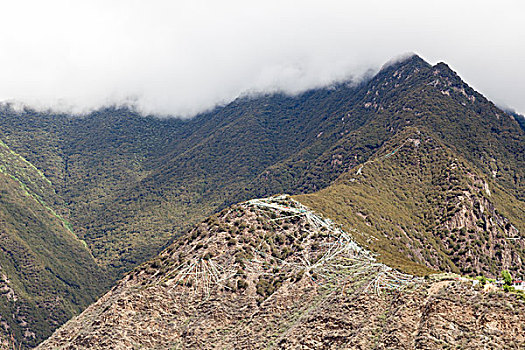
{"points": [[181, 57]]}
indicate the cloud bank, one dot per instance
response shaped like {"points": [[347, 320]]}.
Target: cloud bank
{"points": [[182, 57]]}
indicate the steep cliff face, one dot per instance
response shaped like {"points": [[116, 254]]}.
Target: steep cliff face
{"points": [[478, 238], [273, 274]]}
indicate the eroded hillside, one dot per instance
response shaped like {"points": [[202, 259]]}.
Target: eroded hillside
{"points": [[273, 274]]}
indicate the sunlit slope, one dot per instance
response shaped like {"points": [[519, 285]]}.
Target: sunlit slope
{"points": [[417, 199]]}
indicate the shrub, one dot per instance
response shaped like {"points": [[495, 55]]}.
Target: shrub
{"points": [[507, 278]]}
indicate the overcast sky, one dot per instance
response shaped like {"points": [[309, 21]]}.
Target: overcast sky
{"points": [[182, 57]]}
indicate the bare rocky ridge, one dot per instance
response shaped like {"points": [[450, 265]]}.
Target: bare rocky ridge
{"points": [[272, 274]]}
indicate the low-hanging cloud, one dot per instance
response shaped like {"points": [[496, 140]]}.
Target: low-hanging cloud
{"points": [[182, 57]]}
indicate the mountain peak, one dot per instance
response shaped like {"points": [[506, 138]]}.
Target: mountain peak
{"points": [[444, 70], [410, 60]]}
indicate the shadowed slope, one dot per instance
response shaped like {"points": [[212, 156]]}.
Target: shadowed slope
{"points": [[47, 275]]}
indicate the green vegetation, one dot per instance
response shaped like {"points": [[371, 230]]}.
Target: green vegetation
{"points": [[507, 278], [132, 182], [47, 275], [440, 183], [507, 281], [421, 202], [507, 285], [482, 280]]}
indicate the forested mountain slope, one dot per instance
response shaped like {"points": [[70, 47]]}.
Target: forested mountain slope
{"points": [[47, 275], [409, 93], [131, 182], [417, 199], [428, 171]]}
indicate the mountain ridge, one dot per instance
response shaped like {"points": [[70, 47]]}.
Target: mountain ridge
{"points": [[413, 157], [418, 185], [179, 170]]}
